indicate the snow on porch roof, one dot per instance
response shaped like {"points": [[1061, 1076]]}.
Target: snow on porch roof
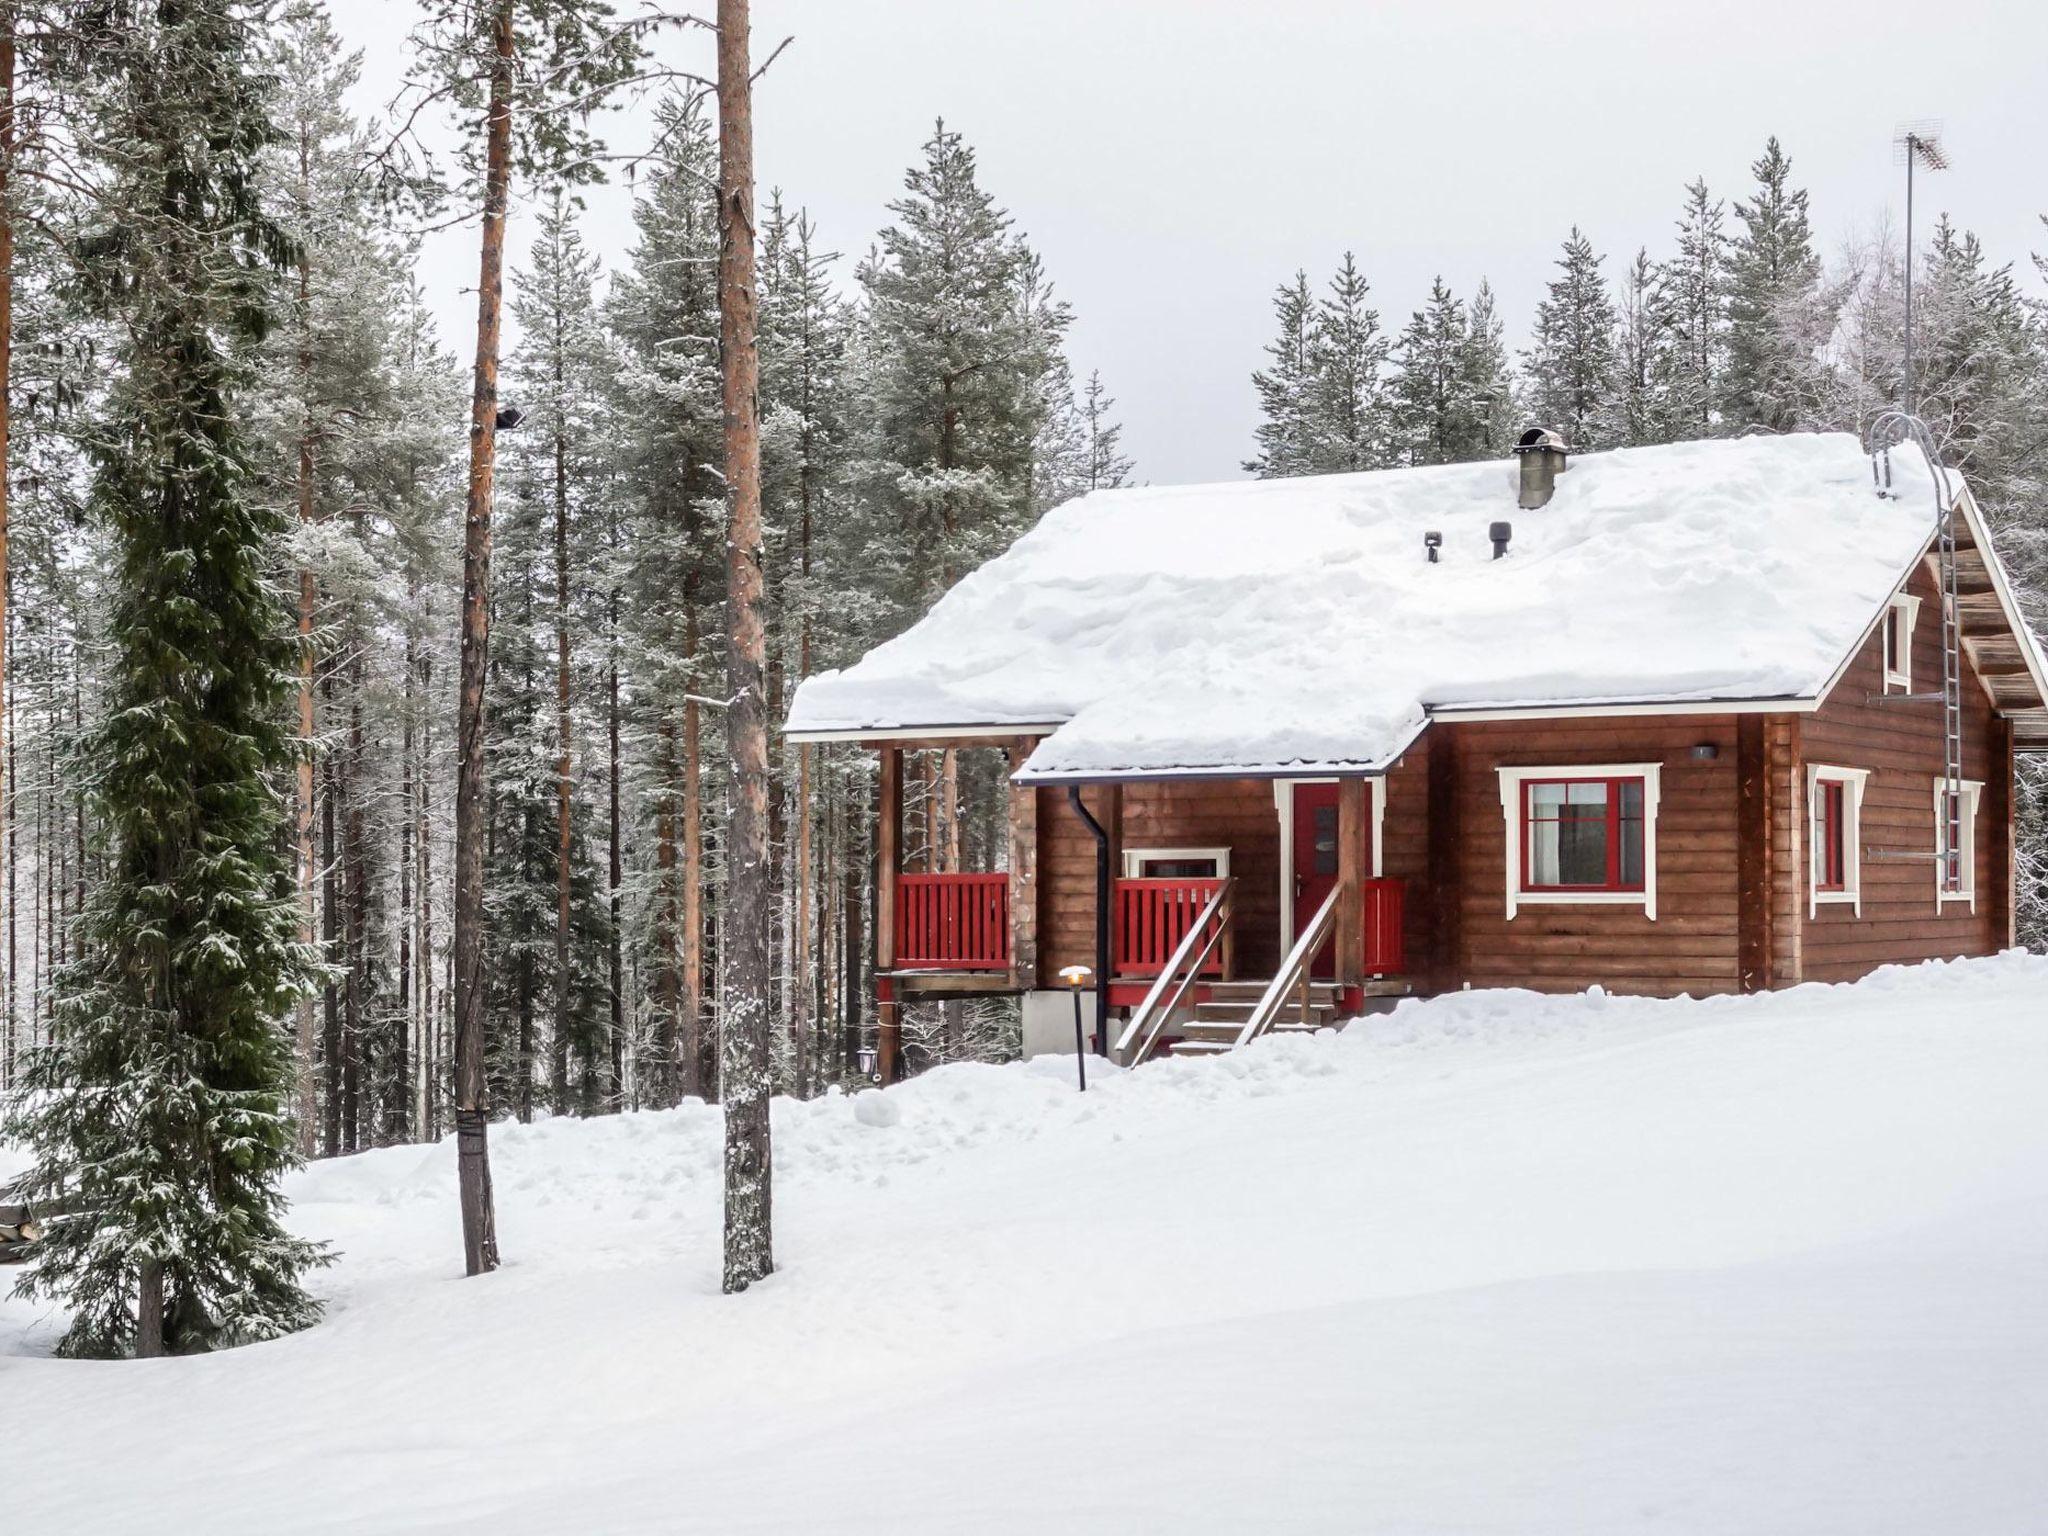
{"points": [[1281, 625]]}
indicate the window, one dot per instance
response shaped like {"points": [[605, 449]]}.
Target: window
{"points": [[1898, 644], [1581, 835], [1176, 863], [1834, 833], [1955, 843]]}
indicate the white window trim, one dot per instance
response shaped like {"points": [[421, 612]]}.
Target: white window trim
{"points": [[1511, 782], [1134, 859], [1973, 789], [1901, 678], [1851, 894], [1283, 801]]}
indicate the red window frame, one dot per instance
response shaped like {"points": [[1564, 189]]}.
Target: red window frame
{"points": [[1613, 884], [1831, 837]]}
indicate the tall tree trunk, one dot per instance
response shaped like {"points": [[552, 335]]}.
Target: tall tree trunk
{"points": [[355, 914], [563, 761], [308, 1084], [745, 1075], [6, 466], [472, 1111], [690, 1019], [616, 860], [333, 1050], [430, 1013], [667, 1074]]}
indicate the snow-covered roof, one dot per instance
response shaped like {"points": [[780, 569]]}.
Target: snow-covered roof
{"points": [[1296, 624]]}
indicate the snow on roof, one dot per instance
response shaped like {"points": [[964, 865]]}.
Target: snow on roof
{"points": [[1293, 624]]}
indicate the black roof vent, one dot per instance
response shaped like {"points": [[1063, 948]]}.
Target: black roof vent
{"points": [[1500, 533]]}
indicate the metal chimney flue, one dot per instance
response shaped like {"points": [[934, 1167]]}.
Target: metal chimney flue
{"points": [[1542, 451]]}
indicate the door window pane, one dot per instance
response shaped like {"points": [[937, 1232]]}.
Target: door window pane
{"points": [[1325, 847]]}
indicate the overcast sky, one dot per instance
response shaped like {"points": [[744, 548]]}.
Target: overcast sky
{"points": [[1174, 159]]}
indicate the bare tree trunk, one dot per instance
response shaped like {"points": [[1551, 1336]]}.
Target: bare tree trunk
{"points": [[559, 1080], [669, 1074], [308, 1085], [6, 466], [690, 1018], [333, 1048], [617, 866], [745, 1075], [472, 1113], [149, 1311]]}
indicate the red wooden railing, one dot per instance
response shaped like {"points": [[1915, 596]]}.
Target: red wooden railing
{"points": [[1152, 917], [1383, 914], [953, 922]]}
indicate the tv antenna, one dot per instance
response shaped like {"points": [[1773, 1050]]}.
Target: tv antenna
{"points": [[1915, 144]]}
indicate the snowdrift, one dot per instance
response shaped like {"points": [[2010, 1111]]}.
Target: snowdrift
{"points": [[1493, 1262]]}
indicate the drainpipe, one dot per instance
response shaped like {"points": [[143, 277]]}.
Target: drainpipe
{"points": [[1101, 921]]}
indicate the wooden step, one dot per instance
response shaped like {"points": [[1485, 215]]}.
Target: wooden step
{"points": [[1251, 991]]}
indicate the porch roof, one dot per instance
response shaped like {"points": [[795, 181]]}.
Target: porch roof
{"points": [[1295, 625]]}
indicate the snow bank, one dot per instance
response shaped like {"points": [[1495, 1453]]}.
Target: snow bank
{"points": [[1491, 1262], [1295, 622]]}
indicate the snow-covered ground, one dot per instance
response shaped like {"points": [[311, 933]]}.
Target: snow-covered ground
{"points": [[1492, 1263]]}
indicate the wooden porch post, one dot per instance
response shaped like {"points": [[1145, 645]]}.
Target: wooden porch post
{"points": [[1446, 864], [1998, 815], [888, 840], [1352, 798], [1754, 894], [1023, 872]]}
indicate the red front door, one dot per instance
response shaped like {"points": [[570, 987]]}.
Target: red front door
{"points": [[1315, 863]]}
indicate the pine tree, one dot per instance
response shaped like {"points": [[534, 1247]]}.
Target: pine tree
{"points": [[1107, 468], [162, 1123], [1571, 362], [1347, 404], [1692, 306], [1489, 382], [1774, 284], [663, 313], [1285, 433], [1643, 359], [1435, 420]]}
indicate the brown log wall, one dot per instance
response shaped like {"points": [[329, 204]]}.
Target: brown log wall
{"points": [[1902, 745]]}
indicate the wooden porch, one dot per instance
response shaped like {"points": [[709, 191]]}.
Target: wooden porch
{"points": [[1176, 943]]}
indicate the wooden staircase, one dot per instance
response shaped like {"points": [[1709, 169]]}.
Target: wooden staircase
{"points": [[1219, 1022]]}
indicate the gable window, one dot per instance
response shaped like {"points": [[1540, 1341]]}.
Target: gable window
{"points": [[1834, 834], [1955, 843], [1581, 835], [1898, 643]]}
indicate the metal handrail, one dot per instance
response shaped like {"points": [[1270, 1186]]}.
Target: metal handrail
{"points": [[1293, 970], [1150, 1016]]}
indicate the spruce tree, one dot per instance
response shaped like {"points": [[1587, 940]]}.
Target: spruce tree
{"points": [[1107, 467], [1570, 362], [160, 1114], [1489, 382], [1692, 306], [1348, 427], [1285, 433], [1774, 282], [1435, 420]]}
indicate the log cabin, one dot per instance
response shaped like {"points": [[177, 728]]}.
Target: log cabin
{"points": [[1685, 719]]}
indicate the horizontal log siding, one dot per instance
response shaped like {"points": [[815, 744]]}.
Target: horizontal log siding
{"points": [[1237, 814], [1691, 947], [1902, 745]]}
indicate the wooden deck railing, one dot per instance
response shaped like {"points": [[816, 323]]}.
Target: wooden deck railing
{"points": [[953, 922], [1384, 954], [1153, 916]]}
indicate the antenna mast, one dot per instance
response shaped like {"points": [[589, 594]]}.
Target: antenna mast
{"points": [[1915, 143]]}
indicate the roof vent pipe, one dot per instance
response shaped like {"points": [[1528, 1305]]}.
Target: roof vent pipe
{"points": [[1433, 541], [1500, 533], [1542, 451]]}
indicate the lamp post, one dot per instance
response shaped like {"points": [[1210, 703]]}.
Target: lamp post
{"points": [[1076, 977]]}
